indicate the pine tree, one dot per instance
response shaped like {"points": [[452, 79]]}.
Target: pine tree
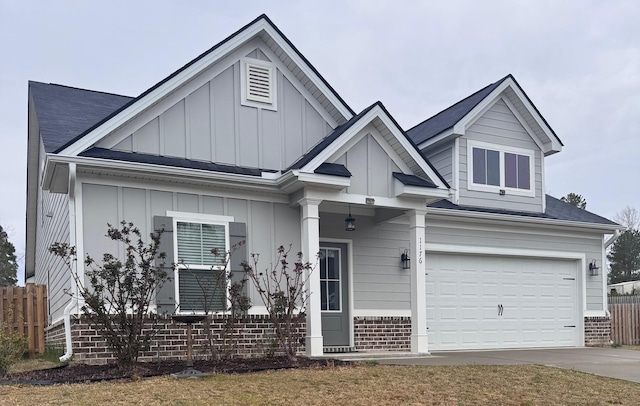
{"points": [[8, 262], [576, 200], [625, 257]]}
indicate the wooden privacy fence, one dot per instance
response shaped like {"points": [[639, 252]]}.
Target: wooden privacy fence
{"points": [[625, 319], [23, 310]]}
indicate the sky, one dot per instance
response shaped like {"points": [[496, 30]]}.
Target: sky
{"points": [[577, 60]]}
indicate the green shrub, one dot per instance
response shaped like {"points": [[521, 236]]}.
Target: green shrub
{"points": [[12, 348]]}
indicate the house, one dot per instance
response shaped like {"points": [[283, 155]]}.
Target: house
{"points": [[456, 244], [624, 288]]}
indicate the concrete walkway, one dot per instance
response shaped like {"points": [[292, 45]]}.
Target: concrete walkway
{"points": [[609, 362]]}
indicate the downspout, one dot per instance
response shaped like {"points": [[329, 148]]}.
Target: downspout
{"points": [[73, 304]]}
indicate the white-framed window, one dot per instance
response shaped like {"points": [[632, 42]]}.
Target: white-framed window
{"points": [[201, 243], [493, 168], [330, 279], [258, 84]]}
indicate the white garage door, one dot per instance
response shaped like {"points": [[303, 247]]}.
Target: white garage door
{"points": [[484, 302]]}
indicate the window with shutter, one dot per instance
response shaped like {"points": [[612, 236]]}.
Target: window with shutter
{"points": [[201, 246], [258, 84]]}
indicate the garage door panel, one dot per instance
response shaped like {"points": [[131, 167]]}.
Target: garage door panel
{"points": [[538, 298]]}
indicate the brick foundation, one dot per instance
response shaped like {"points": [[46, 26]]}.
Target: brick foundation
{"points": [[382, 333], [254, 337], [54, 335], [597, 331]]}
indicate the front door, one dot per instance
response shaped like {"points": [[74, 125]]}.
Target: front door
{"points": [[334, 291]]}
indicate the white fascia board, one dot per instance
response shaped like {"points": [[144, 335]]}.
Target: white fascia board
{"points": [[402, 190], [521, 219], [365, 120], [556, 145], [439, 139], [333, 182], [358, 199], [148, 100]]}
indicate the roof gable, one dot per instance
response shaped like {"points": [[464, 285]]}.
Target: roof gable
{"points": [[455, 120], [261, 27], [389, 135]]}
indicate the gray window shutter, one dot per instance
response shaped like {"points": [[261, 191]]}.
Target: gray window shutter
{"points": [[165, 298], [238, 246]]}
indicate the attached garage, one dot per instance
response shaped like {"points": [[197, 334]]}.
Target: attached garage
{"points": [[488, 302]]}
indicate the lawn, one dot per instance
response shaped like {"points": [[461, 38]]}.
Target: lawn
{"points": [[362, 385]]}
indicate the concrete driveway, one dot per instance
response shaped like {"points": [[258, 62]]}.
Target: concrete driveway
{"points": [[609, 362]]}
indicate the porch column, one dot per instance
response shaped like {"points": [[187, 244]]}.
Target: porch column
{"points": [[419, 341], [310, 248]]}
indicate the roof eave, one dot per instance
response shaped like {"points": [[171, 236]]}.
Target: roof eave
{"points": [[607, 228]]}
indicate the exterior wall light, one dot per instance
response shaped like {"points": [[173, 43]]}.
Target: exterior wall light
{"points": [[405, 260], [350, 222], [593, 268]]}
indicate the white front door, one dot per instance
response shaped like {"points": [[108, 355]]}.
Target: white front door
{"points": [[485, 302]]}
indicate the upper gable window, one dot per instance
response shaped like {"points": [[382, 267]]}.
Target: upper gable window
{"points": [[494, 168], [258, 84]]}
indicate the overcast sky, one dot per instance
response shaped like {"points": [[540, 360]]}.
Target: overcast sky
{"points": [[579, 62]]}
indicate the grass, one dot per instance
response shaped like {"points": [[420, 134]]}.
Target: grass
{"points": [[362, 385]]}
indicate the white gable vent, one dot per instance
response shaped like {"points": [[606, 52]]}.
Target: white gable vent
{"points": [[258, 84]]}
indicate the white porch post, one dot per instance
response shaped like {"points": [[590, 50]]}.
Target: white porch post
{"points": [[419, 340], [310, 247]]}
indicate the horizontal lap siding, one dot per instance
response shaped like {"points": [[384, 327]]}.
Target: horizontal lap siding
{"points": [[442, 159], [53, 226], [269, 224], [499, 126], [464, 234], [378, 280]]}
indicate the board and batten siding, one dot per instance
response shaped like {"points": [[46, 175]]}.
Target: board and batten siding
{"points": [[268, 224], [441, 158], [53, 226], [210, 124], [378, 280], [371, 168], [454, 234], [499, 126]]}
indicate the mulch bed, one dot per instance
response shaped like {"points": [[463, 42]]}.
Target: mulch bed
{"points": [[83, 373]]}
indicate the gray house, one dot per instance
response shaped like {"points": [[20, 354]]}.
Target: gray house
{"points": [[249, 142]]}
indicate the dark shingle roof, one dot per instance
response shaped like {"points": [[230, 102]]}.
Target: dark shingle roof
{"points": [[413, 180], [333, 169], [66, 112], [447, 118], [556, 210], [169, 161]]}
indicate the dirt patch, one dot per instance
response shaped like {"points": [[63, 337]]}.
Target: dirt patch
{"points": [[75, 373]]}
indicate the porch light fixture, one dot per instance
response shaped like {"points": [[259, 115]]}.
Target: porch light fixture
{"points": [[350, 222], [593, 268], [406, 261]]}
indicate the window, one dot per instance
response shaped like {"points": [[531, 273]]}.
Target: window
{"points": [[258, 84], [493, 168], [201, 282], [330, 262]]}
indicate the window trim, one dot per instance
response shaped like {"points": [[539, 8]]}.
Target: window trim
{"points": [[340, 280], [244, 88], [502, 150], [199, 219]]}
